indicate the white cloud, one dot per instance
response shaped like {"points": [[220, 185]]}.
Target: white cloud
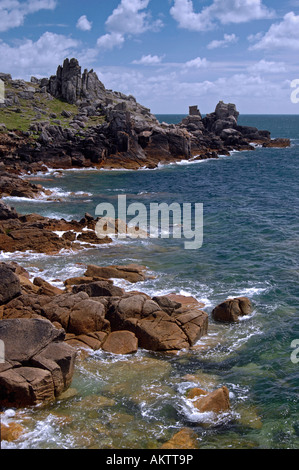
{"points": [[128, 18], [228, 11], [173, 92], [148, 60], [281, 35], [110, 40], [197, 63], [14, 12], [84, 24], [35, 58], [264, 66], [228, 39]]}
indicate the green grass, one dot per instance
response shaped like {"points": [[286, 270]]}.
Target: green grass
{"points": [[22, 121]]}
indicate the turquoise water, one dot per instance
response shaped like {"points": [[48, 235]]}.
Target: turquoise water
{"points": [[250, 247]]}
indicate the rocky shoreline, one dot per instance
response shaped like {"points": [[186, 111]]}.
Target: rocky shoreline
{"points": [[91, 313], [71, 121]]}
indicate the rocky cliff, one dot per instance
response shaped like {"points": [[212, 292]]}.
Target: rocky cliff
{"points": [[71, 119]]}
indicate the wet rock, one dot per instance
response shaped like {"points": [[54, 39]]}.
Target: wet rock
{"points": [[216, 402], [232, 309], [11, 432], [184, 439]]}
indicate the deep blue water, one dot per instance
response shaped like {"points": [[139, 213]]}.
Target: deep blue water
{"points": [[250, 247]]}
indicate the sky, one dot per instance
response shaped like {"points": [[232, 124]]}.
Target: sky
{"points": [[169, 54]]}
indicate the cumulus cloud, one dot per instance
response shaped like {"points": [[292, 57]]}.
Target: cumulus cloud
{"points": [[196, 63], [230, 11], [14, 12], [128, 18], [226, 41], [84, 24], [35, 58], [280, 35], [148, 60], [264, 66], [110, 40]]}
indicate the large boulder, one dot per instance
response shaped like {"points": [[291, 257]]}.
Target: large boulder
{"points": [[38, 366], [232, 309], [172, 329]]}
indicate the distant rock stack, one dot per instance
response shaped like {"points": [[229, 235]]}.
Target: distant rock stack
{"points": [[72, 86], [194, 111]]}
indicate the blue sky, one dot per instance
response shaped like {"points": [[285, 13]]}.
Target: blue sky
{"points": [[168, 53]]}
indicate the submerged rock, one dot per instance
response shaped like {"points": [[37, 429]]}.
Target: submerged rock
{"points": [[184, 439], [216, 402]]}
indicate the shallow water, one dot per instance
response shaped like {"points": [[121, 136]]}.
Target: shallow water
{"points": [[250, 247]]}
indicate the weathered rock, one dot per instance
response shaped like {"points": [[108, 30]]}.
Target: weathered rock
{"points": [[132, 273], [98, 289], [277, 143], [155, 329], [10, 286], [77, 313], [38, 367], [121, 342], [45, 288], [7, 212], [232, 309]]}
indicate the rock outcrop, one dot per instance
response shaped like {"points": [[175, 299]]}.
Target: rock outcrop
{"points": [[108, 129], [40, 234], [96, 314]]}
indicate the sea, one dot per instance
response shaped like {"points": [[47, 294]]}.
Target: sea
{"points": [[250, 247]]}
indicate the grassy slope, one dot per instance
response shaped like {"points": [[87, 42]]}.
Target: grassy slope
{"points": [[22, 116]]}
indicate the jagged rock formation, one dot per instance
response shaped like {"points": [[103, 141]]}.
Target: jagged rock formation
{"points": [[100, 127]]}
